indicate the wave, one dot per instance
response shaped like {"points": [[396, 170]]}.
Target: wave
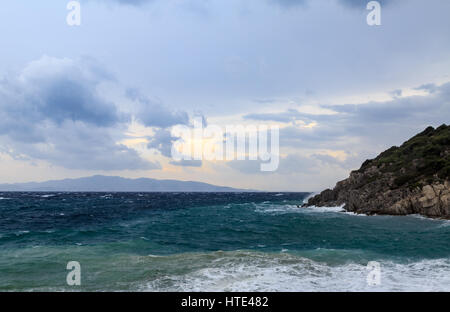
{"points": [[271, 208], [47, 195], [276, 208], [234, 271], [307, 198], [19, 233], [250, 271]]}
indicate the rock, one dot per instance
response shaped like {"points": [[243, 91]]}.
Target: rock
{"points": [[410, 179]]}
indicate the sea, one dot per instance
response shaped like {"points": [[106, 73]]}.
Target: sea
{"points": [[209, 242]]}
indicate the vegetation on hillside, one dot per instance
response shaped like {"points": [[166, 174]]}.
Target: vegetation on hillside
{"points": [[425, 158]]}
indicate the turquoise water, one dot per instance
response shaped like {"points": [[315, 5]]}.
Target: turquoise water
{"points": [[212, 242]]}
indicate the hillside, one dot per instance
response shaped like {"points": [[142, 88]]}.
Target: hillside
{"points": [[115, 184], [410, 179]]}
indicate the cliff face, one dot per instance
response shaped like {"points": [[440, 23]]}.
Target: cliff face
{"points": [[410, 179]]}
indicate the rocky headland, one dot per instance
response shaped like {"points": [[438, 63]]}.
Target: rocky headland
{"points": [[410, 179]]}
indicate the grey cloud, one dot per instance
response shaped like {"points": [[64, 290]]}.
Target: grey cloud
{"points": [[187, 163], [129, 2], [52, 111], [133, 2], [348, 3], [322, 136], [396, 93], [293, 164], [290, 115], [289, 3], [423, 109], [246, 166], [66, 99], [349, 163], [81, 146], [290, 164], [363, 3], [365, 129], [162, 141], [56, 90], [316, 49], [283, 3], [152, 113], [198, 116], [326, 158], [429, 87], [191, 4], [264, 101]]}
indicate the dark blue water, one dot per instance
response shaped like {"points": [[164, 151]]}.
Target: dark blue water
{"points": [[211, 241]]}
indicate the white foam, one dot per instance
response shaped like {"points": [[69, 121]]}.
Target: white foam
{"points": [[276, 208], [270, 208], [444, 222], [20, 233], [259, 272], [306, 199], [282, 209], [324, 209]]}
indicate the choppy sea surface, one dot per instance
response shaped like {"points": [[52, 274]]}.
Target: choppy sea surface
{"points": [[212, 242]]}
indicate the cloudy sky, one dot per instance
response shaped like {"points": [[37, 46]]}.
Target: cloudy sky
{"points": [[102, 97]]}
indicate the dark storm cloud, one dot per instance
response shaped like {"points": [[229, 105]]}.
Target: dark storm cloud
{"points": [[52, 111], [80, 146], [130, 2], [54, 90], [162, 141], [152, 113], [289, 3], [133, 2], [361, 4], [283, 3]]}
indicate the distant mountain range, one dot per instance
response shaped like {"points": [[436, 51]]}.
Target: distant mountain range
{"points": [[116, 184]]}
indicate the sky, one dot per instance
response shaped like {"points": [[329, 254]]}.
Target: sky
{"points": [[102, 97]]}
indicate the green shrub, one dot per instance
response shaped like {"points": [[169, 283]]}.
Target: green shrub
{"points": [[424, 150]]}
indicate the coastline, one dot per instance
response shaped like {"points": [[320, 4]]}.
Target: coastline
{"points": [[411, 179]]}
